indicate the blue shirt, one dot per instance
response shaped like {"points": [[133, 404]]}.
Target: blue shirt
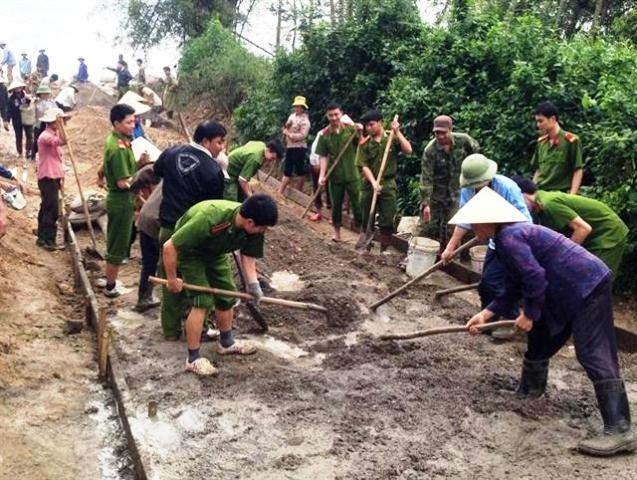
{"points": [[550, 272], [7, 58], [25, 66], [507, 189], [82, 73], [5, 173]]}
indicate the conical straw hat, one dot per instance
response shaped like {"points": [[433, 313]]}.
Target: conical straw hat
{"points": [[487, 207]]}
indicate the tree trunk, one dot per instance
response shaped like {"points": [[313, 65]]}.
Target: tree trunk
{"points": [[279, 14], [333, 11], [597, 16]]}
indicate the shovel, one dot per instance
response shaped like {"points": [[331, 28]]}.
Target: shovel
{"points": [[254, 310], [435, 331], [366, 237], [430, 270], [93, 250], [245, 296], [327, 175]]}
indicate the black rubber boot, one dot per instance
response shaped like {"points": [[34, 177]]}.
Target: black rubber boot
{"points": [[145, 298], [617, 436], [533, 380]]}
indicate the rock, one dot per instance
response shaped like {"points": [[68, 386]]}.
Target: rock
{"points": [[73, 327]]}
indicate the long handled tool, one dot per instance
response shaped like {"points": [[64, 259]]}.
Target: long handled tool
{"points": [[245, 296], [366, 237], [435, 331], [430, 270], [461, 288], [329, 172], [254, 310], [94, 249]]}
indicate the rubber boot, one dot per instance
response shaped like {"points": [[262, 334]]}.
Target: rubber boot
{"points": [[533, 379], [145, 298], [617, 436]]}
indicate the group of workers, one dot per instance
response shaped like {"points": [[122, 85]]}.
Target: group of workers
{"points": [[554, 279]]}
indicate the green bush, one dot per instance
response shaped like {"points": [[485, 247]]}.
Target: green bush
{"points": [[215, 66]]}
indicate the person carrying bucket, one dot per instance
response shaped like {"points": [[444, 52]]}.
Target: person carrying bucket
{"points": [[565, 290], [477, 172]]}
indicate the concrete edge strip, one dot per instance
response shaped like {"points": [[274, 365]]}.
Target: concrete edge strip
{"points": [[626, 338], [117, 382]]}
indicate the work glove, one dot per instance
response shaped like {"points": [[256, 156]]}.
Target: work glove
{"points": [[254, 289]]}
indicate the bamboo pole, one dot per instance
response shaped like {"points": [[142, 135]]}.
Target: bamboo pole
{"points": [[103, 338]]}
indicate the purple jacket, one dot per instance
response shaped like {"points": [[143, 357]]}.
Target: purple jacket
{"points": [[550, 272]]}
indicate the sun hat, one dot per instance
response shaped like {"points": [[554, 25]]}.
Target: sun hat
{"points": [[43, 89], [477, 169], [52, 114], [300, 101], [15, 84], [442, 123], [487, 207], [131, 96]]}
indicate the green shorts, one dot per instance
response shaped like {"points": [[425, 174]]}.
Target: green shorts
{"points": [[120, 207], [214, 272], [232, 190]]}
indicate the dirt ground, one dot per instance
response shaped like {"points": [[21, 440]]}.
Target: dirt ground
{"points": [[323, 398]]}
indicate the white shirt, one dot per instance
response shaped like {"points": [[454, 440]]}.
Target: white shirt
{"points": [[67, 97], [222, 158]]}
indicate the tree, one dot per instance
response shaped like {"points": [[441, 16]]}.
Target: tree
{"points": [[148, 22]]}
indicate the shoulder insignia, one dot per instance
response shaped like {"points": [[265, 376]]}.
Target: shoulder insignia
{"points": [[543, 138], [220, 228], [325, 131], [123, 143], [570, 137], [363, 140]]}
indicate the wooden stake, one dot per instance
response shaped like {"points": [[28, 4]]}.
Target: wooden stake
{"points": [[439, 330], [103, 337]]}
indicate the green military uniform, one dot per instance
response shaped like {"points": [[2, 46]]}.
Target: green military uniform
{"points": [[345, 177], [439, 182], [119, 163], [203, 238], [173, 305], [609, 236], [370, 154], [243, 163], [557, 160]]}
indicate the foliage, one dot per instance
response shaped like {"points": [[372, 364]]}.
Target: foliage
{"points": [[216, 65], [488, 72], [148, 22]]}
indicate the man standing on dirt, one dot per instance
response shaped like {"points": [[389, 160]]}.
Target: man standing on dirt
{"points": [[50, 169], [42, 64], [336, 140], [296, 130], [558, 154], [123, 77], [440, 170], [244, 162], [199, 249], [8, 59], [82, 71], [169, 94], [371, 150], [117, 172], [477, 172], [190, 174], [25, 68], [140, 78], [585, 221]]}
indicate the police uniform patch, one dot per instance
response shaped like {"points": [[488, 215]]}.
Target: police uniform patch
{"points": [[123, 143], [220, 228], [570, 137], [363, 140]]}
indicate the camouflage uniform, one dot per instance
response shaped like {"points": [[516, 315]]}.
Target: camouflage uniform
{"points": [[439, 182]]}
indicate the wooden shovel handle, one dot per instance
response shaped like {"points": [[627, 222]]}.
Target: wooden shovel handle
{"points": [[381, 170], [436, 331], [245, 296]]}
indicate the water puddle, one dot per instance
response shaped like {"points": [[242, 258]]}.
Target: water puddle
{"points": [[279, 347], [285, 281]]}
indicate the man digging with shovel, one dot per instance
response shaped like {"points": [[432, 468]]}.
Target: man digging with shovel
{"points": [[199, 248], [378, 163], [565, 290]]}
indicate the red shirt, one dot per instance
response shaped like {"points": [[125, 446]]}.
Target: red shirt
{"points": [[49, 155]]}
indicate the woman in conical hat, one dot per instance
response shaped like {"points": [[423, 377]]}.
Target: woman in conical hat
{"points": [[565, 290]]}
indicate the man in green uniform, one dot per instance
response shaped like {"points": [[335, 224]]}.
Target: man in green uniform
{"points": [[345, 176], [440, 171], [558, 154], [586, 221], [116, 173], [199, 248], [369, 158], [244, 162]]}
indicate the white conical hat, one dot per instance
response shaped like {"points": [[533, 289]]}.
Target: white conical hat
{"points": [[487, 207], [15, 84], [129, 97]]}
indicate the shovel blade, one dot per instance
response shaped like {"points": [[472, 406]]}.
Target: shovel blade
{"points": [[364, 240]]}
